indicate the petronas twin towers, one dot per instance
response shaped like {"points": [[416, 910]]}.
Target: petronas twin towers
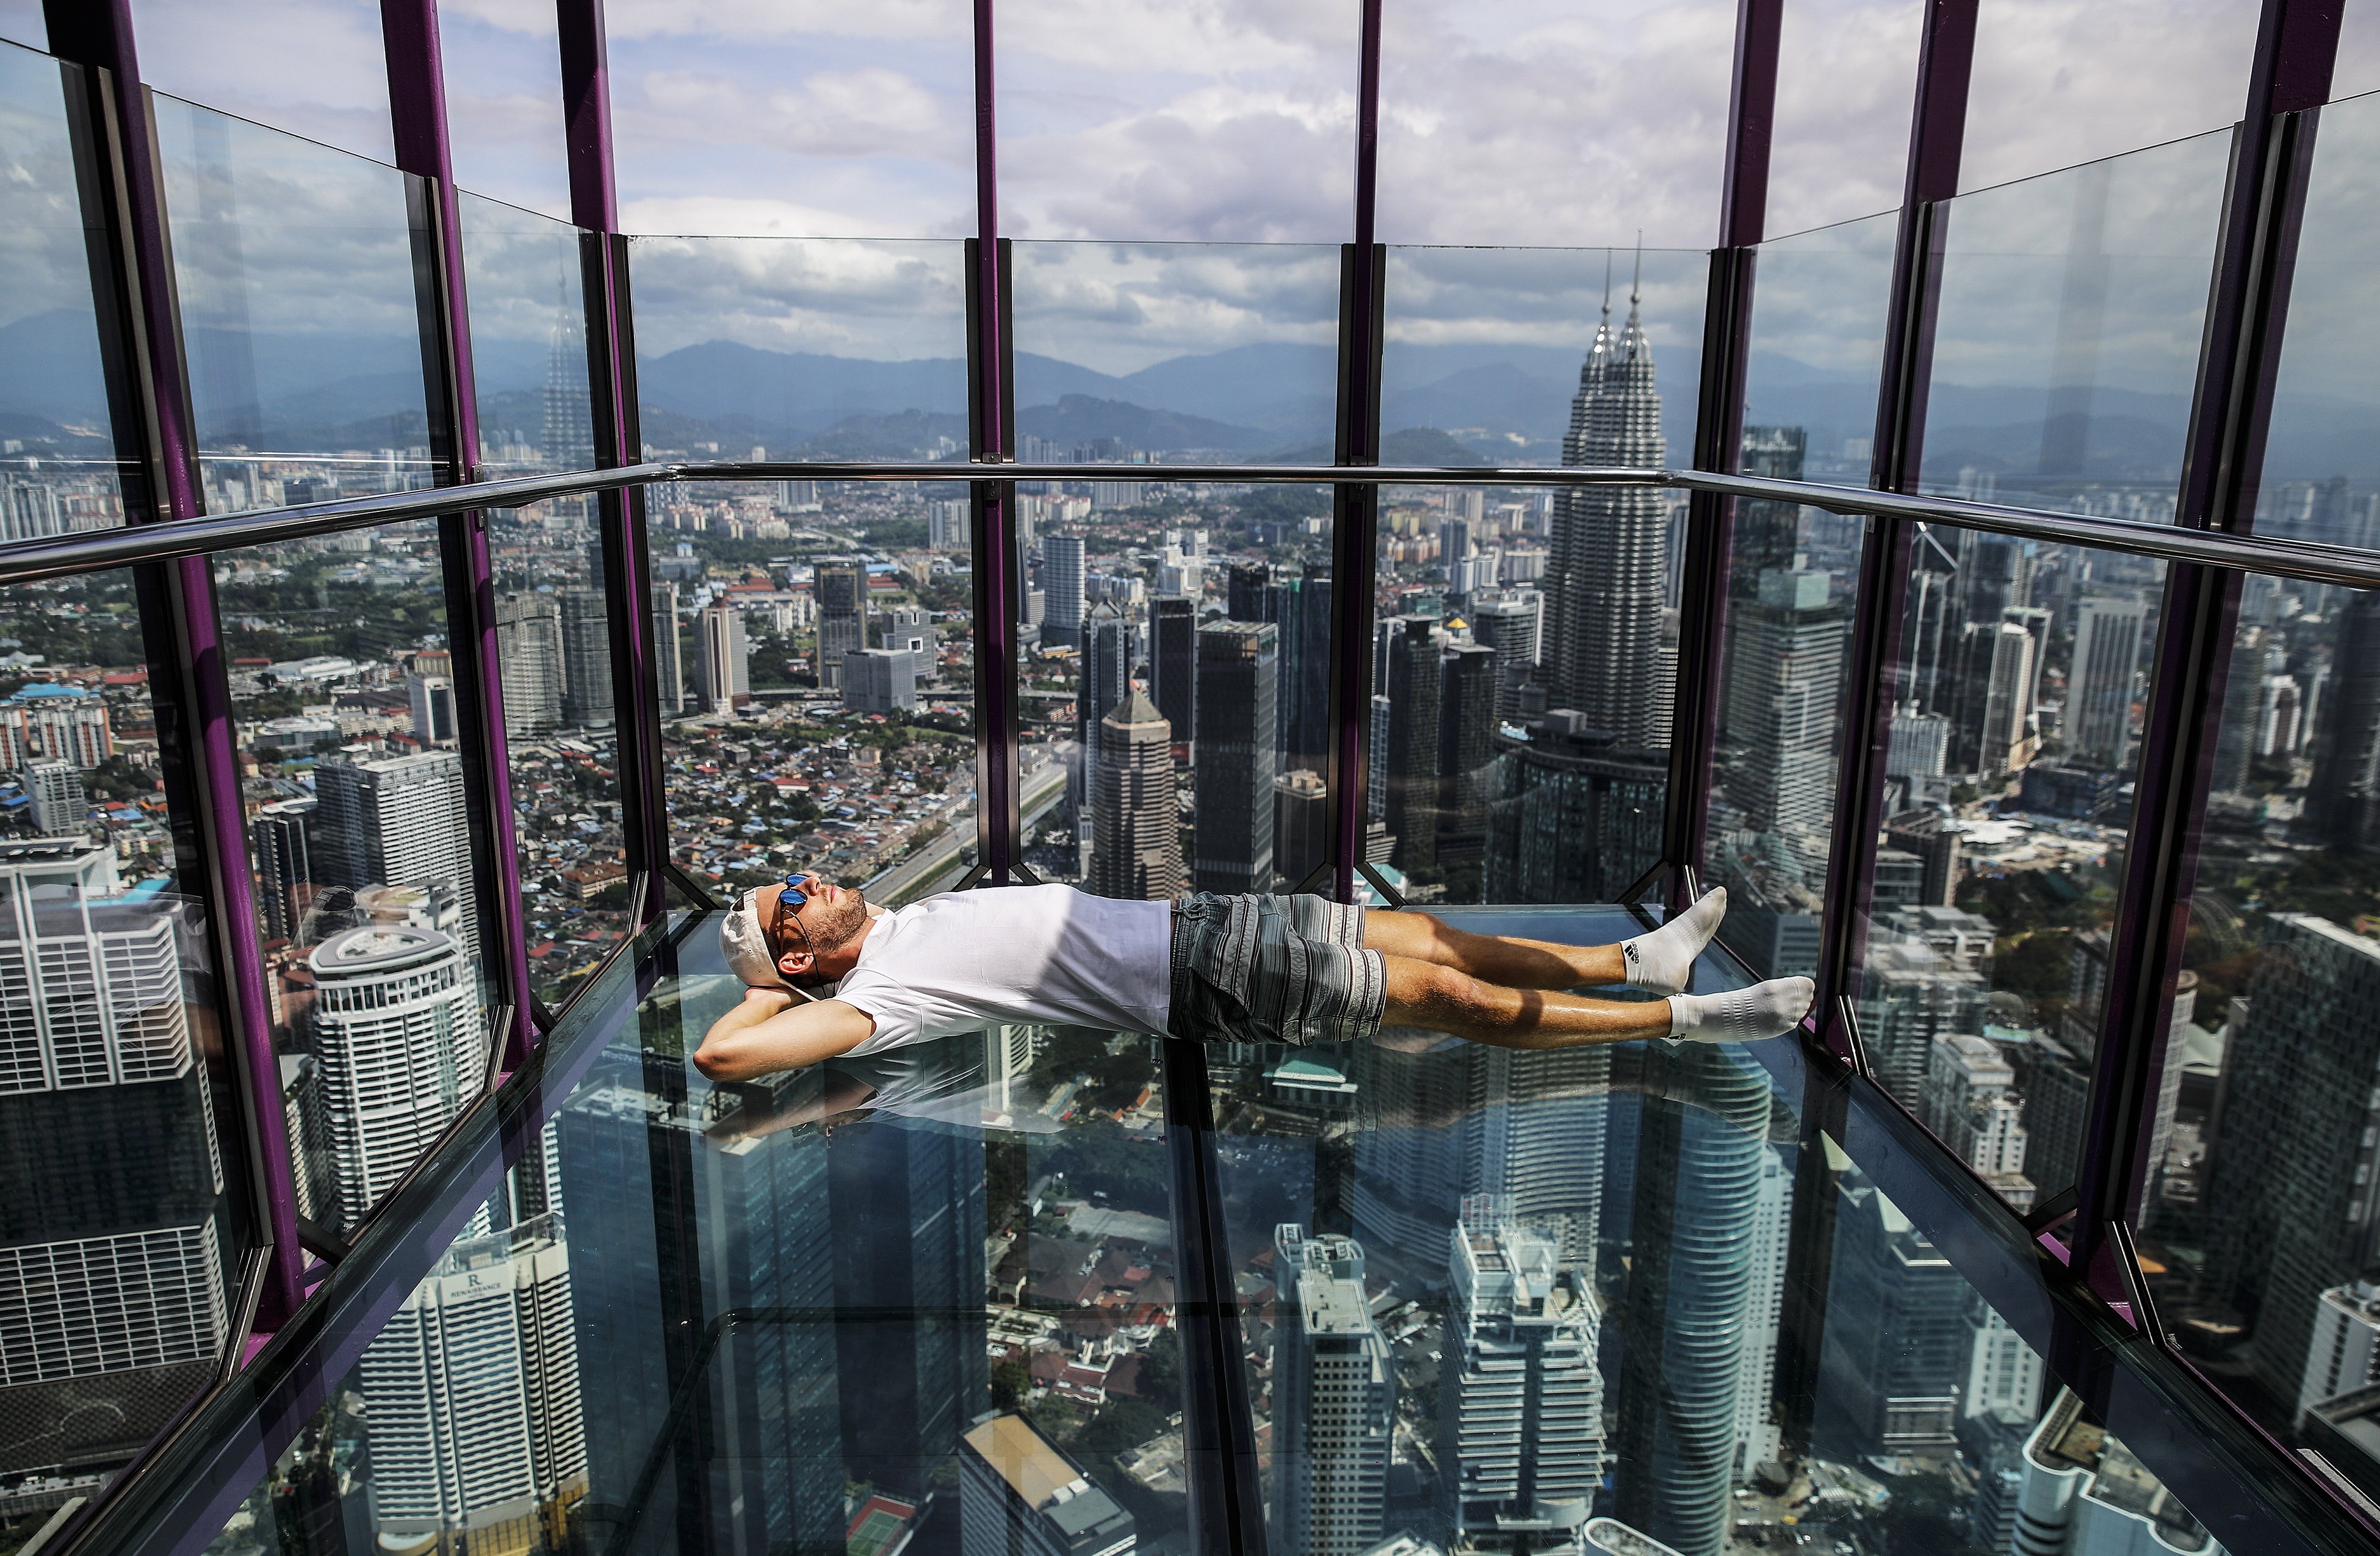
{"points": [[1606, 585]]}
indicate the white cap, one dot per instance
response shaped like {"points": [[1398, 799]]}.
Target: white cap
{"points": [[746, 946]]}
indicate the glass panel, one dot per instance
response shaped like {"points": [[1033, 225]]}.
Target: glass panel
{"points": [[2012, 751], [2257, 1215], [2067, 345], [816, 349], [312, 67], [843, 1309], [529, 339], [864, 116], [123, 1213], [1817, 358], [2055, 84], [2321, 479], [1846, 77], [21, 22], [294, 264], [1816, 353], [1525, 640], [1144, 121], [367, 905], [502, 77], [1596, 130], [1209, 351], [818, 687], [58, 471]]}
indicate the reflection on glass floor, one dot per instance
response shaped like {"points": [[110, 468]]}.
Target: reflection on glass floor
{"points": [[1494, 1301]]}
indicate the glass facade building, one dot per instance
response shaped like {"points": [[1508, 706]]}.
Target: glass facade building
{"points": [[480, 492]]}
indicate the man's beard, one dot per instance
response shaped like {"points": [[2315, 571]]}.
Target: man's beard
{"points": [[839, 923]]}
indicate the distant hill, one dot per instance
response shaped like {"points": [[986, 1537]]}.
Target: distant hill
{"points": [[1078, 417], [1412, 445]]}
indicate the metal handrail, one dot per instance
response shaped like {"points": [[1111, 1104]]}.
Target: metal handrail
{"points": [[89, 551]]}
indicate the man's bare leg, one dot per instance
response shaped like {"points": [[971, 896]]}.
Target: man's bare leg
{"points": [[1443, 999], [1515, 963]]}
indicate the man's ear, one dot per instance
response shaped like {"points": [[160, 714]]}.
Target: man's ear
{"points": [[793, 964]]}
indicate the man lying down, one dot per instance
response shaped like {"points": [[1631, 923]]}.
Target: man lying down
{"points": [[829, 973]]}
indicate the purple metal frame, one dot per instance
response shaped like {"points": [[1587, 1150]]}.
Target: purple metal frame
{"points": [[611, 353], [417, 99], [1718, 441], [1936, 135], [2296, 46], [993, 503], [1355, 541], [101, 34]]}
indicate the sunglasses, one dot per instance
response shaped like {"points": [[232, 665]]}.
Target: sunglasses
{"points": [[790, 902]]}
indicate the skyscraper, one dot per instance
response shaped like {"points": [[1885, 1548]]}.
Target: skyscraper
{"points": [[397, 1030], [1894, 1376], [1768, 534], [1784, 689], [2107, 634], [433, 701], [1576, 816], [724, 659], [2286, 1223], [60, 807], [398, 821], [281, 835], [1062, 584], [1605, 589], [1136, 815], [472, 1393], [1334, 1399], [1018, 1496], [1304, 620], [1970, 1101], [529, 646], [586, 659], [2343, 801], [566, 438], [1106, 666], [840, 586], [1510, 627], [1466, 759], [1239, 663], [669, 655], [1410, 753], [1520, 1396], [1301, 825], [1174, 661]]}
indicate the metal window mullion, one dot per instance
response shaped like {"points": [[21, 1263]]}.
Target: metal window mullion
{"points": [[417, 97], [196, 693], [2223, 459], [998, 570], [1938, 130], [1718, 441]]}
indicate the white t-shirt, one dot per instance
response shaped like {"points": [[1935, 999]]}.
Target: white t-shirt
{"points": [[1042, 955]]}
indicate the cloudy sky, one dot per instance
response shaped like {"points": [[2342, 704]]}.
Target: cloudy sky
{"points": [[1555, 124]]}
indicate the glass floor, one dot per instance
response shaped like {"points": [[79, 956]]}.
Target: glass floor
{"points": [[1019, 1292]]}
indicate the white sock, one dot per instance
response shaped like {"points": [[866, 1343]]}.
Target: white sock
{"points": [[1764, 1009], [1664, 960]]}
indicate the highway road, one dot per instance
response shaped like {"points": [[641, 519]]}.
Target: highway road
{"points": [[941, 864]]}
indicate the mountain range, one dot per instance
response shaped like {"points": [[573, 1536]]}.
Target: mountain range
{"points": [[1486, 402]]}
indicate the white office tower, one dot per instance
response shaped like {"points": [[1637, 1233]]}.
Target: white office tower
{"points": [[2003, 1372], [433, 698], [1757, 1437], [60, 807], [2345, 1352], [397, 1028], [586, 659], [1970, 1100], [724, 659], [669, 658], [1919, 744], [1333, 1400], [471, 1399], [529, 648], [2085, 1494], [2098, 722], [1062, 584], [1520, 1397], [400, 822]]}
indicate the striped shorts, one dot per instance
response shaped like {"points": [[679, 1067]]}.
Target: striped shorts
{"points": [[1273, 969]]}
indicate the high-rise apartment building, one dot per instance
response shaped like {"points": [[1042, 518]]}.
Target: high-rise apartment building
{"points": [[1239, 664], [59, 805], [1334, 1399], [432, 701], [1062, 584], [841, 585], [2344, 1352], [397, 822], [585, 627], [723, 658], [1784, 691], [473, 1398], [1509, 626], [528, 647], [1467, 754], [1970, 1101], [1105, 664], [1136, 814], [2107, 642], [1409, 755], [1018, 1496], [879, 680], [1605, 583], [1520, 1395], [281, 835], [1894, 1376], [669, 652], [403, 1050], [2086, 1494]]}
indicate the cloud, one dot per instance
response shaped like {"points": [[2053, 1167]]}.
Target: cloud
{"points": [[314, 68], [1119, 306], [885, 300]]}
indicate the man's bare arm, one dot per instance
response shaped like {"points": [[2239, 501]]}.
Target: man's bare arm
{"points": [[769, 1032]]}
